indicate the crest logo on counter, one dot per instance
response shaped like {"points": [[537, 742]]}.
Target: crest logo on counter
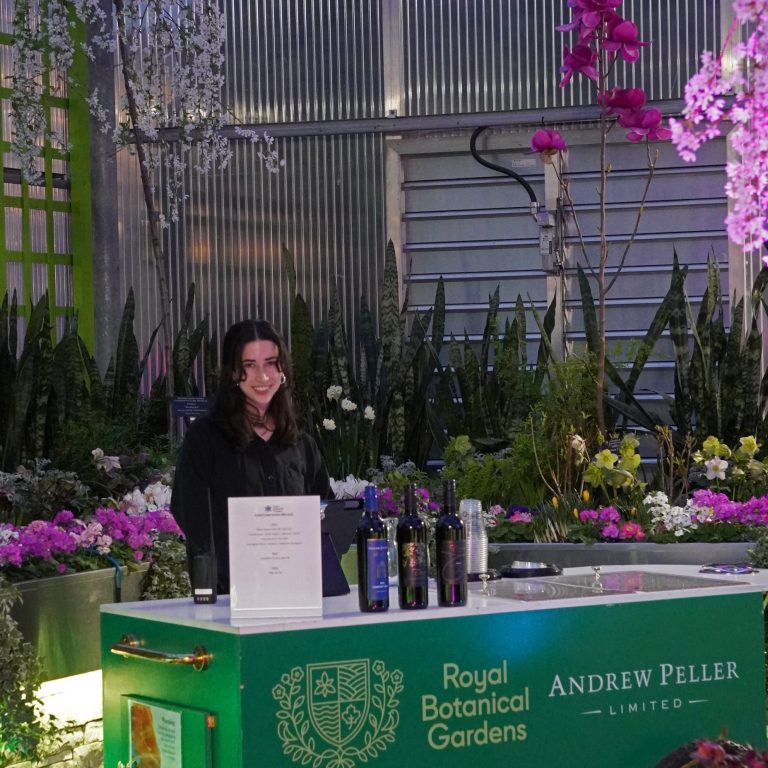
{"points": [[338, 712]]}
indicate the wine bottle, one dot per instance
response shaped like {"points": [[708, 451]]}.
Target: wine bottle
{"points": [[412, 555], [450, 551], [372, 556]]}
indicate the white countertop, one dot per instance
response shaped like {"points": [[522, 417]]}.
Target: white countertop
{"points": [[544, 593]]}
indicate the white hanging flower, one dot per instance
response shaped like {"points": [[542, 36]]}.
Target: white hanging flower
{"points": [[350, 488], [716, 468], [134, 502], [105, 463], [348, 405], [329, 424], [369, 414], [157, 495], [333, 392]]}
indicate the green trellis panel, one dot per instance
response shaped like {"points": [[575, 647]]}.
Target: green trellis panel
{"points": [[51, 241]]}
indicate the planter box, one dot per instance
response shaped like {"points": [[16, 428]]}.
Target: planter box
{"points": [[619, 553], [60, 616]]}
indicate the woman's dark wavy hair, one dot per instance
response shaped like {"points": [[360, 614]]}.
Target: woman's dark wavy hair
{"points": [[228, 410]]}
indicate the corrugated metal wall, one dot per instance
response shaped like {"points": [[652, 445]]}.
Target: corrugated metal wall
{"points": [[297, 61]]}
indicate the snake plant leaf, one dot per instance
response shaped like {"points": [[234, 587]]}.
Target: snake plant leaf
{"points": [[520, 332], [370, 352], [33, 383], [732, 372], [674, 296], [339, 359], [490, 329], [126, 360], [289, 268], [678, 332], [186, 348], [544, 355], [69, 379], [473, 372], [396, 424], [588, 311], [389, 318], [302, 334], [415, 341], [8, 366], [438, 319], [753, 358]]}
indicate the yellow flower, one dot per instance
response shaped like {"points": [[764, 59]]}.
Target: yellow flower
{"points": [[575, 513], [585, 495], [555, 502], [749, 445], [606, 459]]}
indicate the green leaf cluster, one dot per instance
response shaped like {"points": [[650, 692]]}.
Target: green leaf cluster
{"points": [[23, 728]]}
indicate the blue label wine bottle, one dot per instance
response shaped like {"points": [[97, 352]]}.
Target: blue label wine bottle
{"points": [[372, 556], [412, 579], [450, 551]]}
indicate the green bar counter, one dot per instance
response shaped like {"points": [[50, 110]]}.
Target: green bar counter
{"points": [[584, 670]]}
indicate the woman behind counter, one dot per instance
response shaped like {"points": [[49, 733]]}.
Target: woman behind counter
{"points": [[249, 444]]}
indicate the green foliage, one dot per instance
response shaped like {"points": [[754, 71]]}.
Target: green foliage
{"points": [[613, 471], [758, 556], [393, 373], [489, 397], [167, 576], [566, 409], [39, 492], [23, 729], [190, 345], [504, 477], [625, 407], [719, 389]]}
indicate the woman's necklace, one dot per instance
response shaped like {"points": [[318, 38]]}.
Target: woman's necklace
{"points": [[260, 424]]}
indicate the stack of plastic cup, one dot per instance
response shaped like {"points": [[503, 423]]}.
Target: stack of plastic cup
{"points": [[471, 512]]}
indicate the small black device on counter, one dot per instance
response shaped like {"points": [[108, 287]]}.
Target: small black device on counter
{"points": [[204, 578], [204, 571]]}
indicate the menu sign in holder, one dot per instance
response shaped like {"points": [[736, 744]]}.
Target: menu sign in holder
{"points": [[275, 567]]}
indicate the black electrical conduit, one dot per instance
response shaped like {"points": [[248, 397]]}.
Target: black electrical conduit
{"points": [[499, 168]]}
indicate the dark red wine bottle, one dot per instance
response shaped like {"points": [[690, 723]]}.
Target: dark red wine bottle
{"points": [[450, 551], [412, 555], [372, 556]]}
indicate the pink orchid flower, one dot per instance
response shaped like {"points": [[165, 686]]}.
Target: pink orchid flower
{"points": [[622, 101], [581, 59], [588, 22], [547, 141], [621, 38], [645, 124]]}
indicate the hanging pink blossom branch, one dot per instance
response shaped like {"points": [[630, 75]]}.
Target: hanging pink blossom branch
{"points": [[739, 98], [603, 37]]}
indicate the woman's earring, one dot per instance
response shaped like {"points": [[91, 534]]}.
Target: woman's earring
{"points": [[283, 378]]}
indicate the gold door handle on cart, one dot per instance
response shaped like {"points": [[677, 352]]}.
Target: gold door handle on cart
{"points": [[130, 647]]}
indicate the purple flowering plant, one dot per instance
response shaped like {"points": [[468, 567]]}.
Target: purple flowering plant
{"points": [[605, 524], [391, 503], [69, 544], [512, 524]]}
